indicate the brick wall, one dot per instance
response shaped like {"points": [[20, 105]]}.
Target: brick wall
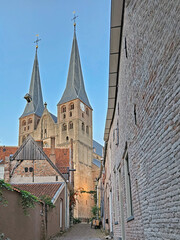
{"points": [[149, 121]]}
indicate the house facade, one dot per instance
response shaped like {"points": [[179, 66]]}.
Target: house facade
{"points": [[142, 132]]}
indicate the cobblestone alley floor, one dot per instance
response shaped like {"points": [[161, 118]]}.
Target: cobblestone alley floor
{"points": [[81, 232]]}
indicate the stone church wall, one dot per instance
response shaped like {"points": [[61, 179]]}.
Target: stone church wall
{"points": [[147, 116]]}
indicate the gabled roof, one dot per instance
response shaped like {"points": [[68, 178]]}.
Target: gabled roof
{"points": [[30, 150], [75, 84], [40, 189], [36, 104]]}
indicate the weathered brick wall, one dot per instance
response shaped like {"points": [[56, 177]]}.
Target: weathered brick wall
{"points": [[148, 79]]}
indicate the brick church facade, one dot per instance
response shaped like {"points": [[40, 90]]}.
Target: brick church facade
{"points": [[72, 124]]}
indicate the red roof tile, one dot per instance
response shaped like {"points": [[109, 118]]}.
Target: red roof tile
{"points": [[6, 152], [39, 189]]}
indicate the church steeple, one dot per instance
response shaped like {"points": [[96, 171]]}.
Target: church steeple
{"points": [[75, 84], [34, 97]]}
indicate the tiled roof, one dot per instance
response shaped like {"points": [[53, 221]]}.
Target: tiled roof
{"points": [[62, 158], [6, 152], [98, 148], [39, 189]]}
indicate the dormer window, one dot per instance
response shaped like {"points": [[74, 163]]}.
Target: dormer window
{"points": [[63, 109], [71, 106], [23, 123]]}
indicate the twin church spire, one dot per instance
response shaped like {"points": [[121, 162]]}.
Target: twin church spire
{"points": [[74, 87]]}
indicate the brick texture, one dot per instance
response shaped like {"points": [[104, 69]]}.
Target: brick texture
{"points": [[149, 122]]}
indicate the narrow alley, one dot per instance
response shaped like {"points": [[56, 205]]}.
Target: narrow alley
{"points": [[81, 231]]}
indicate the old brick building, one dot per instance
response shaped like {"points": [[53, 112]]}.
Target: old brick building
{"points": [[142, 133], [73, 121]]}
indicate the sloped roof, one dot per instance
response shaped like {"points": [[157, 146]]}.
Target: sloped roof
{"points": [[6, 152], [98, 147], [75, 84], [36, 105], [62, 158], [97, 162], [54, 117], [39, 189]]}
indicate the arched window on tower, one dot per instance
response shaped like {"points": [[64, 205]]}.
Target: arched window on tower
{"points": [[71, 106], [70, 125], [23, 123], [83, 126], [63, 109], [29, 120], [64, 127]]}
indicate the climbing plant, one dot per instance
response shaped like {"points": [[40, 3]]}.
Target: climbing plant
{"points": [[4, 185]]}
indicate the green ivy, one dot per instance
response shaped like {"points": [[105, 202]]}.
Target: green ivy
{"points": [[4, 185], [47, 200]]}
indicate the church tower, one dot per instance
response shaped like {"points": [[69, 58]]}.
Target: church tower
{"points": [[75, 122], [30, 118]]}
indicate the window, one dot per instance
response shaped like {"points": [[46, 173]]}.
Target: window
{"points": [[67, 138], [83, 115], [26, 169], [23, 123], [24, 128], [94, 149], [71, 125], [63, 109], [56, 178], [64, 116], [83, 126], [29, 120], [71, 106], [128, 188], [64, 127], [87, 111], [87, 129], [70, 114], [31, 169]]}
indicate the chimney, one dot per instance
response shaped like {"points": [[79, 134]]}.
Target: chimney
{"points": [[40, 143], [52, 154], [7, 170]]}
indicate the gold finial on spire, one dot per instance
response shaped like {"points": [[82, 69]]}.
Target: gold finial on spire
{"points": [[37, 40], [74, 19]]}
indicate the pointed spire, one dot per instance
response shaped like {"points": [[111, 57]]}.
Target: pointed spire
{"points": [[34, 97], [75, 83]]}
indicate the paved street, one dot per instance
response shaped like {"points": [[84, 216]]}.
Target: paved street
{"points": [[81, 232]]}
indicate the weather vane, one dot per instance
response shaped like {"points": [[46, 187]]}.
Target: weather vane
{"points": [[74, 19], [37, 40]]}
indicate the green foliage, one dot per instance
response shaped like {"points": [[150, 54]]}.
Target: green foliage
{"points": [[28, 201], [4, 185], [47, 200], [95, 211], [76, 220]]}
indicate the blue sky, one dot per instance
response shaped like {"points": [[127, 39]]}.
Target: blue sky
{"points": [[20, 21]]}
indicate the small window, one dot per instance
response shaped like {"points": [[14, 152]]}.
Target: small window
{"points": [[56, 178], [94, 149], [71, 106], [87, 111], [83, 115], [64, 116], [83, 126], [29, 120], [28, 127], [31, 169], [87, 129], [70, 114], [24, 128], [67, 138], [26, 169], [63, 109], [64, 127], [23, 123], [71, 125]]}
